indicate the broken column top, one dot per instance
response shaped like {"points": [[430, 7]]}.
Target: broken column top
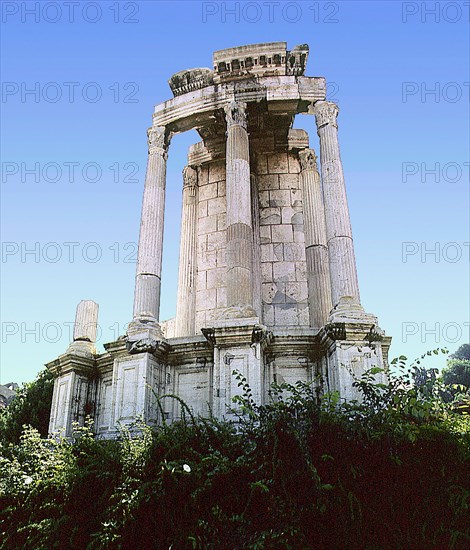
{"points": [[241, 62], [86, 321]]}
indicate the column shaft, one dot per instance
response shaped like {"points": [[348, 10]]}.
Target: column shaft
{"points": [[149, 259], [239, 220], [316, 249], [186, 301], [343, 274]]}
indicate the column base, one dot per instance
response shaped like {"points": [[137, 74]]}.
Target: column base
{"points": [[144, 329], [348, 310], [83, 348]]}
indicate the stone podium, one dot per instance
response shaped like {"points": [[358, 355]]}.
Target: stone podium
{"points": [[267, 281]]}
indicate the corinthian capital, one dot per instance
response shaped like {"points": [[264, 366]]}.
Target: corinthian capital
{"points": [[235, 113], [326, 112], [308, 159], [189, 177], [157, 140]]}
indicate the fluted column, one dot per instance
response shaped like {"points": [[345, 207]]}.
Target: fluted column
{"points": [[239, 221], [343, 274], [316, 249], [186, 302], [149, 259]]}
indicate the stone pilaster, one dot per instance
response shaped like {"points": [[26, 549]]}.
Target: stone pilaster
{"points": [[343, 274], [239, 216], [316, 248], [186, 301], [149, 260]]}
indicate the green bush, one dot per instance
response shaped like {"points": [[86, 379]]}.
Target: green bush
{"points": [[31, 406], [300, 472]]}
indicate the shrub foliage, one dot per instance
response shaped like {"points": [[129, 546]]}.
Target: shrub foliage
{"points": [[300, 472]]}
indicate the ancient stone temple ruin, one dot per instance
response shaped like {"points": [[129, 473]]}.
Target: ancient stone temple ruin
{"points": [[267, 276]]}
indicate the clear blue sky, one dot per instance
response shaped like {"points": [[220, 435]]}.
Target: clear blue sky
{"points": [[78, 90]]}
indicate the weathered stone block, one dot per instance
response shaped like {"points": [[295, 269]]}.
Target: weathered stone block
{"points": [[216, 171], [300, 271], [268, 314], [270, 216], [278, 252], [206, 299], [222, 222], [200, 320], [304, 316], [282, 233], [297, 291], [268, 182], [294, 252], [201, 277], [291, 215], [280, 198], [268, 292], [265, 234], [299, 235], [260, 164], [221, 297], [221, 257], [278, 164], [216, 240], [207, 224], [296, 197], [264, 199], [216, 278], [286, 314], [216, 206], [266, 271], [288, 181], [294, 164], [208, 191], [203, 175], [282, 271], [221, 189], [267, 254], [202, 209]]}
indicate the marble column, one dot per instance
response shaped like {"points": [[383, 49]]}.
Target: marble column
{"points": [[316, 248], [149, 259], [186, 301], [239, 219], [343, 274]]}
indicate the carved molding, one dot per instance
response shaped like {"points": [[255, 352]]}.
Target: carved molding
{"points": [[261, 335], [336, 331], [326, 112], [308, 160], [235, 113], [209, 334], [146, 345]]}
